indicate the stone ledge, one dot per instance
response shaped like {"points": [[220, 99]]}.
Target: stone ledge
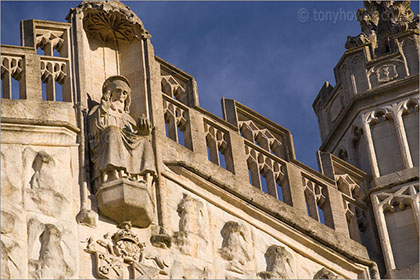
{"points": [[39, 112]]}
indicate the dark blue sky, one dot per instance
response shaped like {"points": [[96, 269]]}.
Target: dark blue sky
{"points": [[271, 56]]}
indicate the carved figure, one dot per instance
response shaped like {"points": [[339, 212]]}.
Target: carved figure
{"points": [[324, 273], [45, 193], [121, 249], [120, 147], [280, 264], [191, 238], [51, 263], [42, 177], [235, 246]]}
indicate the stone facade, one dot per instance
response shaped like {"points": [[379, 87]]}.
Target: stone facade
{"points": [[129, 178]]}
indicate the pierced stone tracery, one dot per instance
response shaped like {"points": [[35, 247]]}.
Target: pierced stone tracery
{"points": [[262, 167], [218, 146], [262, 137], [317, 201], [49, 40], [11, 68]]}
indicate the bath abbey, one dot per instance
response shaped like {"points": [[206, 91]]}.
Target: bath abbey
{"points": [[125, 176]]}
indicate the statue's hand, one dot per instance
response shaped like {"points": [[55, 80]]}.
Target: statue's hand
{"points": [[144, 125]]}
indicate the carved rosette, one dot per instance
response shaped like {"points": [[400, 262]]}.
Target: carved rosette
{"points": [[111, 21]]}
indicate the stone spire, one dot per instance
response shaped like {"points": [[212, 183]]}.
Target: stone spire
{"points": [[379, 21]]}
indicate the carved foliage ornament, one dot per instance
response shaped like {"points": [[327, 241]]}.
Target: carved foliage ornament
{"points": [[111, 21], [122, 253]]}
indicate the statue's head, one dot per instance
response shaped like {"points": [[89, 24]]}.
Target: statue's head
{"points": [[117, 88]]}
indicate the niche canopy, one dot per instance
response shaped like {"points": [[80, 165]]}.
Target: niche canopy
{"points": [[111, 21]]}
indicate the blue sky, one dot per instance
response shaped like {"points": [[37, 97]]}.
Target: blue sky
{"points": [[271, 56]]}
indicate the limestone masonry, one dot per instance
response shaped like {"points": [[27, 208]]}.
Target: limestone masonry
{"points": [[110, 168]]}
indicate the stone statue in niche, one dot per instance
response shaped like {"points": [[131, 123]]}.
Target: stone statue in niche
{"points": [[280, 264], [190, 238], [324, 273], [120, 147], [122, 155], [235, 246], [123, 256]]}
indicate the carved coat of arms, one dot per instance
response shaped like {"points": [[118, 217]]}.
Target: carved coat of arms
{"points": [[122, 256]]}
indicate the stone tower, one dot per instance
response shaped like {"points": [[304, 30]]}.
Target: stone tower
{"points": [[370, 119], [112, 170]]}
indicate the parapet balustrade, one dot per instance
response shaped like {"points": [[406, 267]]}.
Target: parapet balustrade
{"points": [[267, 172], [39, 70], [12, 71], [177, 123], [317, 201], [218, 145], [54, 75], [266, 156]]}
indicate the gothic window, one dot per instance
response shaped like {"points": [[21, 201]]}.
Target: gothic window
{"points": [[385, 142]]}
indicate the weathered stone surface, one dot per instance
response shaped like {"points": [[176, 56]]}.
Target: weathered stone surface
{"points": [[325, 274], [49, 255], [280, 264], [191, 237], [235, 246]]}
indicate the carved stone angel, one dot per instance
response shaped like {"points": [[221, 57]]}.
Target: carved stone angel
{"points": [[120, 147]]}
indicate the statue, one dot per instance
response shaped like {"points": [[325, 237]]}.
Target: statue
{"points": [[123, 170], [120, 147]]}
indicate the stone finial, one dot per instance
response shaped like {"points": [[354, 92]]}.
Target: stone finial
{"points": [[380, 20]]}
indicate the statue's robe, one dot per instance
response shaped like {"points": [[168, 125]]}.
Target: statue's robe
{"points": [[115, 143]]}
